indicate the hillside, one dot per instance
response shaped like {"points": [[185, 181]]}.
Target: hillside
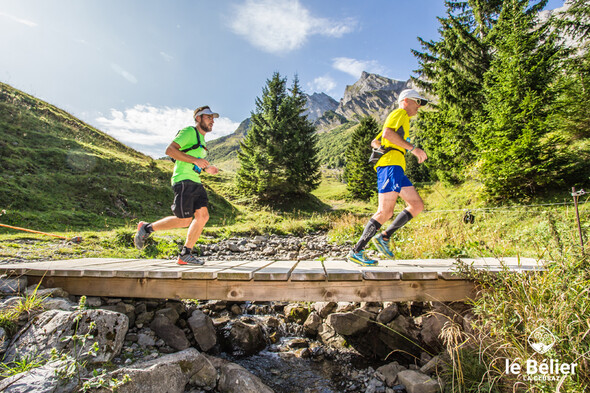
{"points": [[57, 171]]}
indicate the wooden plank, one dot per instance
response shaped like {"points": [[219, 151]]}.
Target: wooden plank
{"points": [[208, 271], [48, 266], [245, 271], [277, 271], [308, 271], [339, 270], [405, 270], [350, 291]]}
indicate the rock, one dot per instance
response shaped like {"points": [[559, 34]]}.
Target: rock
{"points": [[416, 382], [58, 304], [170, 374], [47, 331], [390, 372], [169, 313], [236, 379], [349, 324], [435, 365], [388, 314], [3, 341], [402, 336], [203, 330], [345, 307], [39, 380], [297, 343], [312, 324], [93, 301], [260, 239], [172, 335], [123, 308], [146, 339], [328, 336], [325, 308], [268, 251], [432, 326], [236, 309], [12, 285], [144, 318], [297, 313], [246, 337], [49, 292]]}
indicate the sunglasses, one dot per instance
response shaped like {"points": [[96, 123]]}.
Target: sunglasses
{"points": [[419, 101]]}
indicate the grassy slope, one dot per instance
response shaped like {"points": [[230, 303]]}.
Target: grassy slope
{"points": [[58, 172]]}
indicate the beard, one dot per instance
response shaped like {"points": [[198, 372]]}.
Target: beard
{"points": [[206, 128]]}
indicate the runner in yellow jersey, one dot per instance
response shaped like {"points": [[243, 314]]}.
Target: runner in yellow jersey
{"points": [[391, 179]]}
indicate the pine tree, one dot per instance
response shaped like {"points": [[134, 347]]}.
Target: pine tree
{"points": [[516, 157], [452, 69], [278, 156], [359, 174]]}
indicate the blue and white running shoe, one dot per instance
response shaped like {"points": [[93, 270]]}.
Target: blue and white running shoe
{"points": [[360, 259], [383, 246]]}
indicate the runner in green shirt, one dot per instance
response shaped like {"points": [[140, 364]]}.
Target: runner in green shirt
{"points": [[190, 198]]}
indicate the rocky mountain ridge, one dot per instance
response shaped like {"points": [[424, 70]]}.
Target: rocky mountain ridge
{"points": [[372, 95]]}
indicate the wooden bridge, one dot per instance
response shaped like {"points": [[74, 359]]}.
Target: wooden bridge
{"points": [[328, 280]]}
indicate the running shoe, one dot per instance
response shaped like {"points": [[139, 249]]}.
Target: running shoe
{"points": [[360, 259], [383, 246], [141, 235], [189, 259]]}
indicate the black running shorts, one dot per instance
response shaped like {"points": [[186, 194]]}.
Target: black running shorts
{"points": [[188, 198]]}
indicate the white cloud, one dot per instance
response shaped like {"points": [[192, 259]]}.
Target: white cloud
{"points": [[280, 26], [166, 56], [25, 22], [150, 129], [356, 67], [124, 73], [322, 84]]}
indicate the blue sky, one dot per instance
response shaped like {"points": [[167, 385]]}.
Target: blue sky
{"points": [[137, 68]]}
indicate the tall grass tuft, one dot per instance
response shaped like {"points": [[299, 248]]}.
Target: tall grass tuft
{"points": [[511, 306]]}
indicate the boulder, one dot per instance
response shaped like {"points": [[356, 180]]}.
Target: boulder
{"points": [[390, 372], [52, 329], [351, 323], [325, 308], [312, 324], [39, 380], [416, 382], [172, 335], [388, 314], [203, 330], [170, 374], [296, 312], [328, 336], [12, 285], [236, 379], [246, 336]]}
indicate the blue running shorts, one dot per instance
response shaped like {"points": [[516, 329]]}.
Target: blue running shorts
{"points": [[391, 178]]}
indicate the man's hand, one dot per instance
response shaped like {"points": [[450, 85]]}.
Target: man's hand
{"points": [[200, 162], [212, 170], [420, 155]]}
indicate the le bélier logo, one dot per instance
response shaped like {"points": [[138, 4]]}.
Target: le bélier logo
{"points": [[541, 340]]}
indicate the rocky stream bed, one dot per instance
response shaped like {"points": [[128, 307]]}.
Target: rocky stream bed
{"points": [[217, 346]]}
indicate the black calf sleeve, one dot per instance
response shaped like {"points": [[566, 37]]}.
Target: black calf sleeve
{"points": [[370, 230], [401, 220]]}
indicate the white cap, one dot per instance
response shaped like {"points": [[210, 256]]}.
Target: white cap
{"points": [[411, 93], [205, 111]]}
